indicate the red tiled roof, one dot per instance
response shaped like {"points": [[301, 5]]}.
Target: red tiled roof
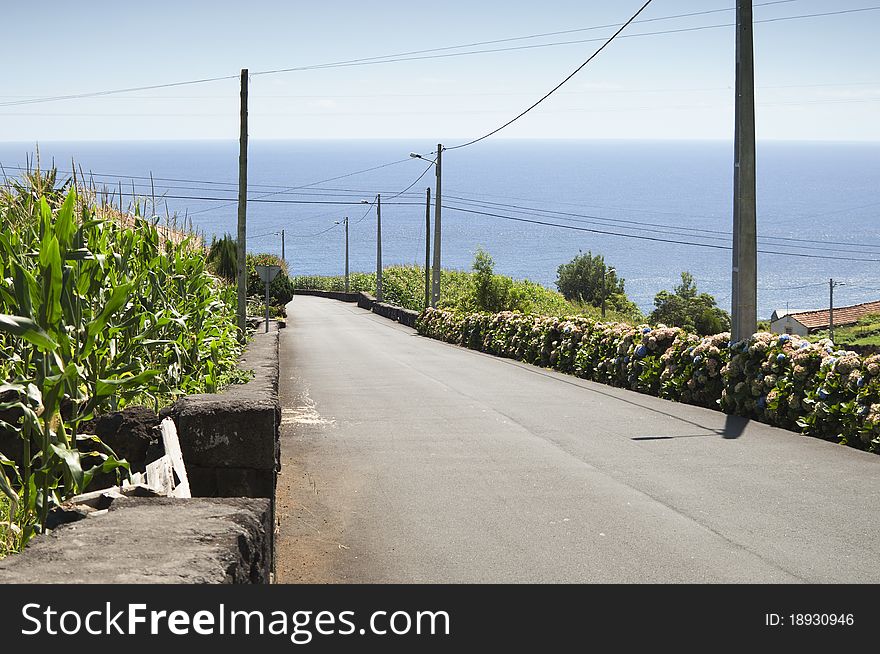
{"points": [[842, 315]]}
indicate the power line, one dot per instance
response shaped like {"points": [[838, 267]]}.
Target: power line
{"points": [[377, 59], [413, 184], [644, 225], [651, 238], [558, 86], [398, 57], [479, 94], [528, 210], [264, 235], [315, 234], [561, 43], [795, 288], [366, 213], [131, 89], [234, 185], [422, 112], [275, 201], [262, 198]]}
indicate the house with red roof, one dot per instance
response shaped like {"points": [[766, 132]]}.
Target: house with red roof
{"points": [[805, 322]]}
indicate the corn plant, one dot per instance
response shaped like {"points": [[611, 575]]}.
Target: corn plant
{"points": [[94, 315]]}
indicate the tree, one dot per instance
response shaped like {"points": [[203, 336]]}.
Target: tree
{"points": [[692, 311], [491, 292], [223, 257], [581, 280]]}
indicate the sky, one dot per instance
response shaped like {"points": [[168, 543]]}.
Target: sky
{"points": [[817, 78]]}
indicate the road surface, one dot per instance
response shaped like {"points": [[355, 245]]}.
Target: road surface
{"points": [[405, 459]]}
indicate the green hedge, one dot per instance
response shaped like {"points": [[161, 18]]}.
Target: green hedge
{"points": [[781, 380]]}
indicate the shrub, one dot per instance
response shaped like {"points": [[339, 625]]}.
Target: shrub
{"points": [[405, 287], [280, 288], [690, 310], [223, 258]]}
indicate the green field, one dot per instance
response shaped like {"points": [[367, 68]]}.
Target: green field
{"points": [[865, 332]]}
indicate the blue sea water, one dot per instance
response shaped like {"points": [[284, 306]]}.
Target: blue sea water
{"points": [[635, 202]]}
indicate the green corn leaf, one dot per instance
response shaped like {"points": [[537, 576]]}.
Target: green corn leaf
{"points": [[64, 224], [24, 282], [70, 460], [117, 300], [5, 484], [107, 387], [28, 330], [50, 262]]}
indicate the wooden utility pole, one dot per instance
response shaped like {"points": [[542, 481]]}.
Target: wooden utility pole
{"points": [[242, 207], [428, 248], [379, 247], [744, 296], [831, 309], [346, 255], [435, 294], [831, 285], [283, 258]]}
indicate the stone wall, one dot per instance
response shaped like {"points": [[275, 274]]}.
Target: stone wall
{"points": [[335, 295], [368, 302], [153, 540], [230, 440]]}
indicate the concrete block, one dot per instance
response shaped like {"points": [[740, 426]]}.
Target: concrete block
{"points": [[365, 301], [227, 430]]}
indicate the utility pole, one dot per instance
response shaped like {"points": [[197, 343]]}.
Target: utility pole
{"points": [[435, 295], [379, 247], [242, 207], [605, 269], [831, 285], [428, 248], [346, 255], [744, 296], [283, 258], [831, 309]]}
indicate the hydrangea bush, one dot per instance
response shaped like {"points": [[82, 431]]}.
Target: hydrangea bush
{"points": [[784, 381]]}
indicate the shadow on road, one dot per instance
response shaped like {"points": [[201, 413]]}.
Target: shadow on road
{"points": [[734, 426]]}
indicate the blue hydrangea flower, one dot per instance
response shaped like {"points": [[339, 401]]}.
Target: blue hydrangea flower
{"points": [[783, 338], [860, 382], [626, 359], [641, 351], [698, 358], [762, 402], [780, 357], [646, 330], [823, 394]]}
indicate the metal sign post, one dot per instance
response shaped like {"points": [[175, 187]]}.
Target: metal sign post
{"points": [[267, 274]]}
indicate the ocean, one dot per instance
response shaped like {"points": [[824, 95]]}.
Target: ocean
{"points": [[643, 205]]}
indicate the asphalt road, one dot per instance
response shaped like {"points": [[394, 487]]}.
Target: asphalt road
{"points": [[411, 460]]}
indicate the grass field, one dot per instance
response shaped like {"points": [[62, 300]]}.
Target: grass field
{"points": [[865, 332]]}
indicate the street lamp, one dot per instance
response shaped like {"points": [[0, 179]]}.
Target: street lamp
{"points": [[435, 291], [344, 221], [605, 271]]}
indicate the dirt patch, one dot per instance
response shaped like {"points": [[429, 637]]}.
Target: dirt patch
{"points": [[309, 542]]}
